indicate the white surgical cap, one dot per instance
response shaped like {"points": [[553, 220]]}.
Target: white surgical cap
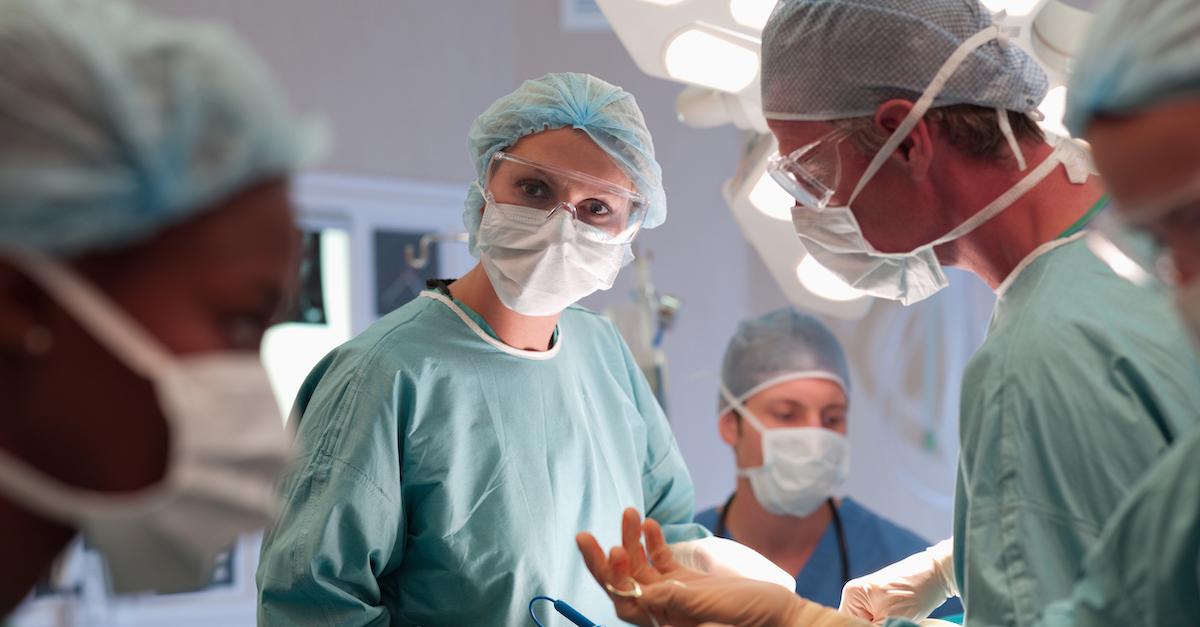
{"points": [[608, 114], [115, 124], [838, 59], [780, 346], [1140, 53]]}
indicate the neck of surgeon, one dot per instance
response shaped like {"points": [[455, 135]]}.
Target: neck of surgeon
{"points": [[1040, 216], [533, 333], [788, 541]]}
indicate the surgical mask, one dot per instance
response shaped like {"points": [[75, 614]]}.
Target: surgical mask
{"points": [[832, 235], [227, 445], [541, 262], [802, 466]]}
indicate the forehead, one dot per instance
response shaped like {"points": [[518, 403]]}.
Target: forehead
{"points": [[1146, 156], [571, 149], [252, 234]]}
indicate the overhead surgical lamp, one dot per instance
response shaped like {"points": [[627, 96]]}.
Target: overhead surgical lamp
{"points": [[751, 13], [708, 57]]}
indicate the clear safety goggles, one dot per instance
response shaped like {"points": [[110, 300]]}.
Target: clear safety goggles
{"points": [[812, 172], [605, 210]]}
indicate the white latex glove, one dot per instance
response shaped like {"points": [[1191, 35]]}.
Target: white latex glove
{"points": [[736, 601], [718, 556], [910, 588]]}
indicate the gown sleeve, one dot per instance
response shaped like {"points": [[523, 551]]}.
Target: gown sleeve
{"points": [[342, 519], [670, 498]]}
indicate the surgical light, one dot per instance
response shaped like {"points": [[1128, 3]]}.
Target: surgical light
{"points": [[816, 279], [663, 3], [1015, 8], [751, 13], [702, 58], [770, 199], [1054, 108]]}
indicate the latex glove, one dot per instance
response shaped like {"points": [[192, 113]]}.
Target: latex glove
{"points": [[718, 556], [736, 601], [910, 588], [631, 562]]}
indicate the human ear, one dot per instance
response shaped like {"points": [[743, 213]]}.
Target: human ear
{"points": [[915, 152], [23, 330], [730, 428]]}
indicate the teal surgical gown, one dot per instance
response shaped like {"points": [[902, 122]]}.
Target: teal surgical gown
{"points": [[1145, 568], [872, 542], [442, 476], [1083, 382]]}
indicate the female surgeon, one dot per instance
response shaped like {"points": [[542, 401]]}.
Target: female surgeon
{"points": [[451, 452], [146, 242]]}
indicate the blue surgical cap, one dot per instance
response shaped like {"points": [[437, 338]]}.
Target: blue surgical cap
{"points": [[1139, 53], [115, 124], [838, 59], [782, 345], [608, 114]]}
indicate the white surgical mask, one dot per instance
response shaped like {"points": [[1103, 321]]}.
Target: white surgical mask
{"points": [[833, 237], [539, 263], [227, 445], [802, 466]]}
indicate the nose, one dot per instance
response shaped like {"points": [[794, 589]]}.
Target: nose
{"points": [[564, 206]]}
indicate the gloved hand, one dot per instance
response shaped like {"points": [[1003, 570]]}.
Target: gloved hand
{"points": [[631, 562], [736, 601], [910, 588], [718, 556]]}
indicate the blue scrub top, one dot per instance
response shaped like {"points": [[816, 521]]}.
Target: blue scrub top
{"points": [[872, 542]]}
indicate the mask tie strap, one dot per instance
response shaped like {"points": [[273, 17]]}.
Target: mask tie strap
{"points": [[1007, 131], [1002, 113], [96, 313], [925, 102], [736, 405], [1031, 180]]}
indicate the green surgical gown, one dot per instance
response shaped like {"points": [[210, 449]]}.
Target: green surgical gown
{"points": [[1083, 382], [442, 476], [1145, 568]]}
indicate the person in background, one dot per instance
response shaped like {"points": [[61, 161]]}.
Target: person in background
{"points": [[784, 403], [147, 241]]}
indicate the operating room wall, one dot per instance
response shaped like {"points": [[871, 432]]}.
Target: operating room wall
{"points": [[399, 82]]}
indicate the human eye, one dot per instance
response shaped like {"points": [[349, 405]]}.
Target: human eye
{"points": [[534, 188], [596, 208]]}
